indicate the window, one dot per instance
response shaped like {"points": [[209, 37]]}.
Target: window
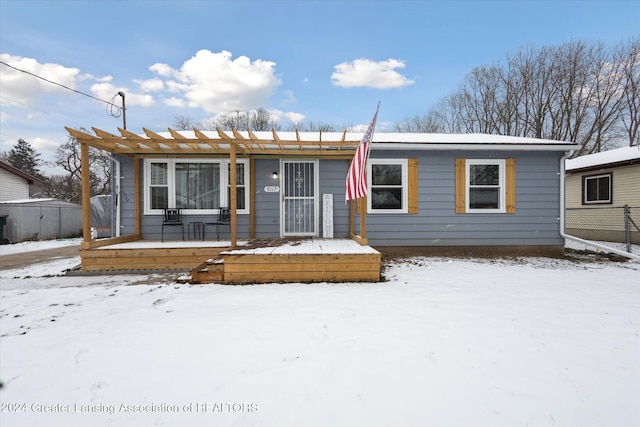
{"points": [[388, 184], [241, 187], [158, 186], [596, 189], [197, 185], [193, 185], [485, 186]]}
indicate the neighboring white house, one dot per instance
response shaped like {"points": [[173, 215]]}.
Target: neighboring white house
{"points": [[14, 184]]}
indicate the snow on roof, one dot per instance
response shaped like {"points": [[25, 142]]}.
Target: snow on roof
{"points": [[29, 178], [400, 140], [618, 155], [399, 137]]}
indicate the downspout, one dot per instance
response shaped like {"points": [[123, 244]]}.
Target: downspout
{"points": [[116, 192], [562, 217]]}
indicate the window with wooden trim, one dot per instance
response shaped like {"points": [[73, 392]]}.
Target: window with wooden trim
{"points": [[597, 189], [485, 186], [196, 186], [393, 185]]}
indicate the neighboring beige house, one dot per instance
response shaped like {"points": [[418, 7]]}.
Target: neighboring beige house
{"points": [[14, 184], [598, 187]]}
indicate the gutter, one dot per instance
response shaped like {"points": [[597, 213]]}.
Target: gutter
{"points": [[475, 146], [562, 217]]}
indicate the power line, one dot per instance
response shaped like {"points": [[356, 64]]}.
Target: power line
{"points": [[35, 108], [61, 85]]}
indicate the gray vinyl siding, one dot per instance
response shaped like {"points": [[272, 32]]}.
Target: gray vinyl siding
{"points": [[332, 174], [267, 205], [152, 224], [436, 224]]}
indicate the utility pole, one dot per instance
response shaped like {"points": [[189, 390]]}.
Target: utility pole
{"points": [[124, 111]]}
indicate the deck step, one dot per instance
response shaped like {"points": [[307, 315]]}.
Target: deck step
{"points": [[210, 271]]}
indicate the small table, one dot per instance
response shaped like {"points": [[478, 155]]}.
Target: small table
{"points": [[198, 229]]}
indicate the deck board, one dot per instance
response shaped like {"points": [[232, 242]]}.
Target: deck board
{"points": [[309, 260]]}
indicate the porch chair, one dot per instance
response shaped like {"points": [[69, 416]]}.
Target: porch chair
{"points": [[172, 218], [224, 219]]}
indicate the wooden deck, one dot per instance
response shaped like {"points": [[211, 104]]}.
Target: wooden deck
{"points": [[149, 255], [267, 261]]}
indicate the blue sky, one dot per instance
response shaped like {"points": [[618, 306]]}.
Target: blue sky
{"points": [[325, 61]]}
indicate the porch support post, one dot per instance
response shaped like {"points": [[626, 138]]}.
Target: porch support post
{"points": [[363, 220], [137, 196], [233, 196], [352, 218], [252, 192], [86, 192]]}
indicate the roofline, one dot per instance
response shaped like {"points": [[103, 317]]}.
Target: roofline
{"points": [[31, 180], [609, 165], [478, 146]]}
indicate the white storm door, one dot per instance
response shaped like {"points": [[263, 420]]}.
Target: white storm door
{"points": [[299, 211]]}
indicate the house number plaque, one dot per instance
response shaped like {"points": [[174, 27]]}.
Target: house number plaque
{"points": [[271, 189]]}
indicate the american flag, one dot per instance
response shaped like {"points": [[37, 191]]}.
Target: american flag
{"points": [[356, 182]]}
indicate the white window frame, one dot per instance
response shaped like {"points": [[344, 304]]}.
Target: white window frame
{"points": [[171, 170], [404, 186], [502, 194], [609, 201]]}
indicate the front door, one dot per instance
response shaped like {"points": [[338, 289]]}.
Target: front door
{"points": [[299, 211]]}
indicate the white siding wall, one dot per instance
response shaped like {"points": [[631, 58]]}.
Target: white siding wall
{"points": [[12, 187], [626, 190], [626, 186]]}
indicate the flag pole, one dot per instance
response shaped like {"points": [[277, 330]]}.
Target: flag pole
{"points": [[373, 128], [363, 211], [357, 183]]}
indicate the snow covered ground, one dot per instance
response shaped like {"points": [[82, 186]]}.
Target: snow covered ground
{"points": [[18, 248], [443, 342]]}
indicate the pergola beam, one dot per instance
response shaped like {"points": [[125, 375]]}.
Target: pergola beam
{"points": [[152, 143]]}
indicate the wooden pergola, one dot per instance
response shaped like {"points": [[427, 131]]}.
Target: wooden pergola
{"points": [[214, 143]]}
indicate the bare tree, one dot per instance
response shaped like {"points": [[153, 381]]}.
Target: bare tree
{"points": [[577, 91], [312, 126], [629, 54], [427, 123], [184, 123], [261, 120], [68, 158]]}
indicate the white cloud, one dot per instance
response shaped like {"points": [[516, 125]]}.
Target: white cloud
{"points": [[24, 88], [294, 117], [150, 85], [367, 73], [43, 144], [218, 83], [4, 117], [290, 97], [358, 128], [174, 102], [162, 69], [280, 116]]}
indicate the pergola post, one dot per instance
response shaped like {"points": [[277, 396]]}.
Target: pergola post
{"points": [[137, 185], [86, 192], [233, 193]]}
